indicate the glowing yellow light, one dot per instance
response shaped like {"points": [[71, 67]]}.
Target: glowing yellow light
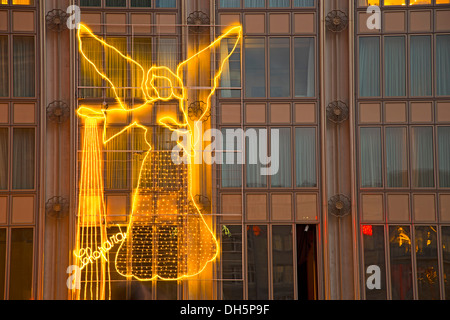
{"points": [[167, 236], [91, 231]]}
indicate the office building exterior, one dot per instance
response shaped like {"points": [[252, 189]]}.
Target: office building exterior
{"points": [[358, 100]]}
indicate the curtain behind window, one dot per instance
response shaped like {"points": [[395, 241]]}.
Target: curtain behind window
{"points": [[23, 159], [254, 177], [88, 76], [370, 146], [422, 159], [420, 70], [167, 57], [303, 3], [4, 64], [282, 179], [142, 49], [369, 66], [231, 76], [443, 65], [444, 156], [165, 3], [116, 67], [255, 68], [231, 172], [4, 159], [116, 160], [116, 3], [279, 3], [305, 157], [230, 3], [280, 75], [90, 3], [23, 67], [396, 158], [394, 66], [254, 3], [304, 67]]}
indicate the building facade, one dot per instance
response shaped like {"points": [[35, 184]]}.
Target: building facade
{"points": [[358, 102]]}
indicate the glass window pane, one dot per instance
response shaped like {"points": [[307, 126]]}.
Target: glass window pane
{"points": [[444, 156], [165, 3], [305, 155], [141, 49], [422, 157], [232, 262], [396, 158], [279, 3], [254, 3], [23, 158], [369, 66], [282, 179], [231, 76], [256, 144], [116, 169], [255, 68], [280, 75], [446, 260], [167, 55], [4, 158], [141, 3], [257, 263], [116, 67], [230, 3], [21, 264], [401, 266], [232, 158], [443, 65], [90, 3], [394, 2], [303, 3], [22, 2], [370, 146], [23, 67], [282, 263], [394, 66], [427, 263], [304, 67], [373, 240], [416, 2], [366, 3], [420, 66], [116, 3], [88, 75], [4, 66], [2, 263]]}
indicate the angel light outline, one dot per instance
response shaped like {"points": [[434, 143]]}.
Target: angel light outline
{"points": [[159, 251]]}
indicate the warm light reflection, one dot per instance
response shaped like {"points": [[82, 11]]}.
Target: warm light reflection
{"points": [[167, 235], [401, 237]]}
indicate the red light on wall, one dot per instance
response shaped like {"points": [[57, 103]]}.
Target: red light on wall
{"points": [[367, 230]]}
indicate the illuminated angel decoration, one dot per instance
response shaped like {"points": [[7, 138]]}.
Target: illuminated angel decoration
{"points": [[167, 236]]}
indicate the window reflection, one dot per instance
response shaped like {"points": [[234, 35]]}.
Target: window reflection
{"points": [[283, 270], [232, 262], [401, 266], [446, 260], [374, 255], [21, 264], [257, 263], [427, 263]]}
